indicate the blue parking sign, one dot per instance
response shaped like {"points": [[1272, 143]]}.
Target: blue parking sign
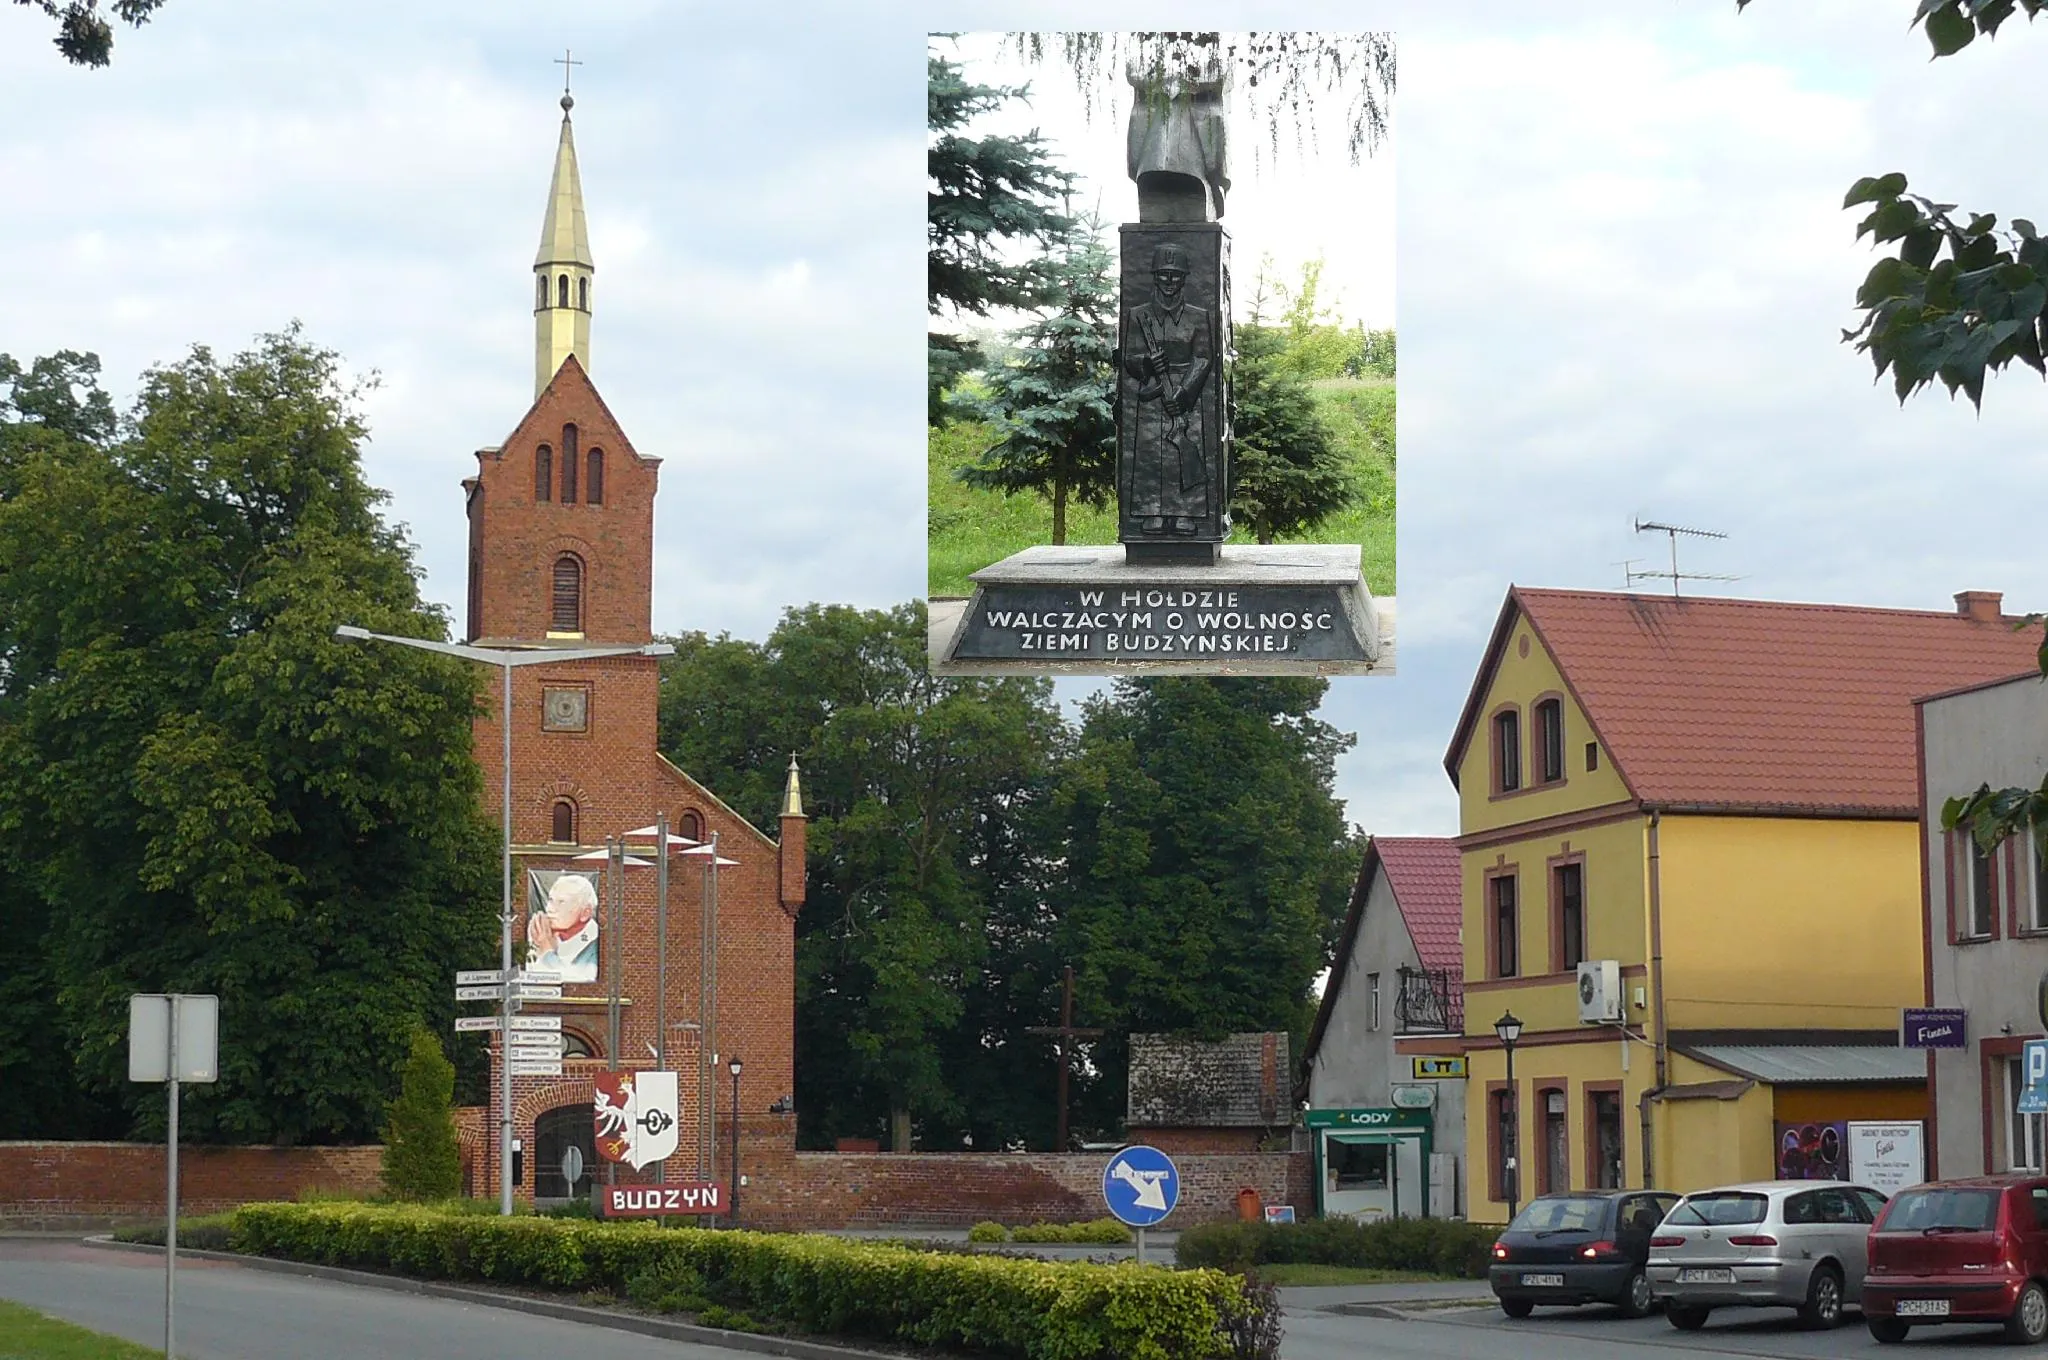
{"points": [[2034, 1096], [1140, 1185]]}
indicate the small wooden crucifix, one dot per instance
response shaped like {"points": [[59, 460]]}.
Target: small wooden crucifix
{"points": [[1065, 1032]]}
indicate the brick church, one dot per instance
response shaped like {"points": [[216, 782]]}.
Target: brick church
{"points": [[561, 553]]}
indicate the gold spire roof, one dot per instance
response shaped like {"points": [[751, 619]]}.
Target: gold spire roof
{"points": [[563, 236], [792, 793]]}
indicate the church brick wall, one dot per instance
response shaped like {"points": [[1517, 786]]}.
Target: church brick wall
{"points": [[51, 1186]]}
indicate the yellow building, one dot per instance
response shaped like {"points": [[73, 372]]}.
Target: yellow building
{"points": [[1690, 869]]}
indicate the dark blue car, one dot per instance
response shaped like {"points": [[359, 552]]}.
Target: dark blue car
{"points": [[1588, 1246]]}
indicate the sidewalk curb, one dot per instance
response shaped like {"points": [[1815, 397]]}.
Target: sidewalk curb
{"points": [[564, 1312], [1408, 1310]]}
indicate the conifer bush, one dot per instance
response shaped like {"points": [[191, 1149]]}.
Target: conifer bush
{"points": [[421, 1159]]}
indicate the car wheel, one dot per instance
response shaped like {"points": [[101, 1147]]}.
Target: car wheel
{"points": [[1823, 1306], [1887, 1330], [1636, 1298], [1517, 1308], [1684, 1318], [2028, 1324]]}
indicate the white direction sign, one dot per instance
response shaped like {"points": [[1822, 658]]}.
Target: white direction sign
{"points": [[536, 1066], [479, 977], [542, 975], [537, 1038], [480, 993], [533, 993], [520, 1022], [465, 1024]]}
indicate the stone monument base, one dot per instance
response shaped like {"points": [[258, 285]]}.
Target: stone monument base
{"points": [[1295, 609]]}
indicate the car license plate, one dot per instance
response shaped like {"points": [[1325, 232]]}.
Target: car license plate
{"points": [[1921, 1308], [1706, 1277], [1556, 1281]]}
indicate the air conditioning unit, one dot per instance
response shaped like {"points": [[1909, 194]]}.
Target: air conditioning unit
{"points": [[1600, 992]]}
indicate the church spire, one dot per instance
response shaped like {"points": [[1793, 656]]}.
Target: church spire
{"points": [[562, 268]]}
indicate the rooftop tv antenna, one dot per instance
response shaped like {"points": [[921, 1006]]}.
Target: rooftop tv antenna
{"points": [[1644, 526]]}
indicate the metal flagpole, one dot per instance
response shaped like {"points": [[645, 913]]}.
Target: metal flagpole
{"points": [[711, 1003], [661, 965], [615, 848], [705, 1099], [505, 951], [171, 1206]]}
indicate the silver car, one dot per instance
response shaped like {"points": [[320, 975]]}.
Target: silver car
{"points": [[1772, 1244]]}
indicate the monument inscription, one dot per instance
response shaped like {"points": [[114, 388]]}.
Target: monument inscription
{"points": [[1166, 623]]}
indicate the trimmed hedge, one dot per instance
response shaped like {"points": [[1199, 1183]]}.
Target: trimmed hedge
{"points": [[1099, 1231], [1436, 1246], [997, 1306]]}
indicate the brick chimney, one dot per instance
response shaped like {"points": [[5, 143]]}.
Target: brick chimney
{"points": [[1981, 605]]}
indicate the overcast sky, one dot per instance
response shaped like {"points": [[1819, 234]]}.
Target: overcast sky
{"points": [[1621, 275]]}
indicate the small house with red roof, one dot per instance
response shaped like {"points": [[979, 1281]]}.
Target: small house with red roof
{"points": [[1690, 877], [1382, 1070]]}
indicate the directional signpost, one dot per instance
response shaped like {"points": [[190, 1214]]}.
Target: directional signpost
{"points": [[1140, 1185], [172, 1039], [534, 1042]]}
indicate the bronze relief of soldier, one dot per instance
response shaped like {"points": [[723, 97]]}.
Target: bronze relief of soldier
{"points": [[1168, 359]]}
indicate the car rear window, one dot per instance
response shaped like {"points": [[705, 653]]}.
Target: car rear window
{"points": [[1557, 1215], [1920, 1210], [1717, 1208]]}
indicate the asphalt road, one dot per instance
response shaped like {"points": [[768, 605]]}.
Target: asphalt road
{"points": [[230, 1312]]}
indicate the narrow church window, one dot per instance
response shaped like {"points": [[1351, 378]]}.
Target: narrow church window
{"points": [[543, 473], [583, 294], [540, 297], [568, 465], [692, 826], [562, 291], [593, 484], [564, 830], [568, 599]]}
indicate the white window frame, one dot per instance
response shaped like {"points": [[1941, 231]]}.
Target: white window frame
{"points": [[1972, 853], [2023, 1132]]}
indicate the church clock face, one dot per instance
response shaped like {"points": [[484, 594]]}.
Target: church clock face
{"points": [[565, 710]]}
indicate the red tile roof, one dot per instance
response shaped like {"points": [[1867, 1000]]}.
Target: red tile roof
{"points": [[1752, 705], [1423, 872]]}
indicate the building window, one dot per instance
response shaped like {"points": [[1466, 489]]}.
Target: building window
{"points": [[1359, 1166], [540, 293], [562, 291], [692, 826], [568, 596], [543, 473], [2037, 882], [563, 831], [1507, 749], [1978, 919], [1592, 755], [2023, 1131], [1556, 1165], [576, 1045], [1501, 1133], [1550, 740], [568, 465], [1603, 1122], [1506, 931], [583, 294], [1373, 991], [593, 482], [1568, 885]]}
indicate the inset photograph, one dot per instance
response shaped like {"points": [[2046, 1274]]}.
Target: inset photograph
{"points": [[1161, 353]]}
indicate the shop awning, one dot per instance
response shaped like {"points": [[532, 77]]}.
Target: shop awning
{"points": [[1800, 1064]]}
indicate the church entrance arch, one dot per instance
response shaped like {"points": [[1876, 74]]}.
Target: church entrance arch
{"points": [[564, 1142]]}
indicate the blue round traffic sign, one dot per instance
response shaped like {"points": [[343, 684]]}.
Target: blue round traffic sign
{"points": [[1140, 1185]]}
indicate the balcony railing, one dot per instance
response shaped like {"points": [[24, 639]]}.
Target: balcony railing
{"points": [[1428, 1003]]}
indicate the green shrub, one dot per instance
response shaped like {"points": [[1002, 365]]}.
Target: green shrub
{"points": [[421, 1159], [988, 1232], [1436, 1246], [668, 1286], [201, 1232], [978, 1303], [1100, 1230]]}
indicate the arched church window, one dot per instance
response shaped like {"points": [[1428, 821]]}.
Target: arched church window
{"points": [[562, 291], [543, 473], [540, 296], [583, 294], [692, 826], [575, 1045], [568, 595], [593, 481], [563, 832], [568, 465]]}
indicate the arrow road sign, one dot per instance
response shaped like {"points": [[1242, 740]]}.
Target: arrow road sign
{"points": [[1141, 1185], [542, 975], [480, 993], [469, 1023], [520, 1022], [530, 993], [479, 977], [537, 1038], [536, 1067]]}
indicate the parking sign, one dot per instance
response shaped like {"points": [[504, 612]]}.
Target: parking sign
{"points": [[2034, 1099]]}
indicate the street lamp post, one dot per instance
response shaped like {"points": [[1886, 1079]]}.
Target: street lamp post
{"points": [[733, 1213], [505, 658], [1509, 1029]]}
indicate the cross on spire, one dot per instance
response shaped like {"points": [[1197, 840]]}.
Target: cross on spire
{"points": [[565, 61]]}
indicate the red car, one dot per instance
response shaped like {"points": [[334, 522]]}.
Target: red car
{"points": [[1972, 1250]]}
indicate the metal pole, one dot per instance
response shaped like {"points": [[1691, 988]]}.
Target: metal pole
{"points": [[1514, 1167], [1141, 1246], [171, 1201], [734, 1210], [707, 1048], [505, 951], [615, 852], [661, 965]]}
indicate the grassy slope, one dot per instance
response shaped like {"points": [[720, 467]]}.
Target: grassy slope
{"points": [[970, 529], [28, 1335]]}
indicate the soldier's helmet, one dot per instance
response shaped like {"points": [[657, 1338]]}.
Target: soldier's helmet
{"points": [[1170, 259]]}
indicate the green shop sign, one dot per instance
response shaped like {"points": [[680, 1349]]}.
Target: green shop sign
{"points": [[1368, 1119]]}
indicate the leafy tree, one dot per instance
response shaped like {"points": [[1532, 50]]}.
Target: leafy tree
{"points": [[1288, 472], [1313, 344], [207, 791], [421, 1158], [986, 193], [1373, 356], [1207, 861], [1053, 407], [920, 952], [83, 37]]}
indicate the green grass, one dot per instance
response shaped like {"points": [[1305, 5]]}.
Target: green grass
{"points": [[970, 529], [1299, 1273], [28, 1335]]}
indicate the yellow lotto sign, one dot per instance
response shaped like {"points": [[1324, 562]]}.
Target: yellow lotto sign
{"points": [[1437, 1069]]}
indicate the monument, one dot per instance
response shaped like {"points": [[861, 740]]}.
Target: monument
{"points": [[1170, 596]]}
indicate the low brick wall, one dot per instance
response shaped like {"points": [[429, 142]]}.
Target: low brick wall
{"points": [[951, 1189], [64, 1185]]}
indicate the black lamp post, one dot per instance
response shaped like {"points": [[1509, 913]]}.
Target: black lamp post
{"points": [[733, 1214], [1509, 1029]]}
